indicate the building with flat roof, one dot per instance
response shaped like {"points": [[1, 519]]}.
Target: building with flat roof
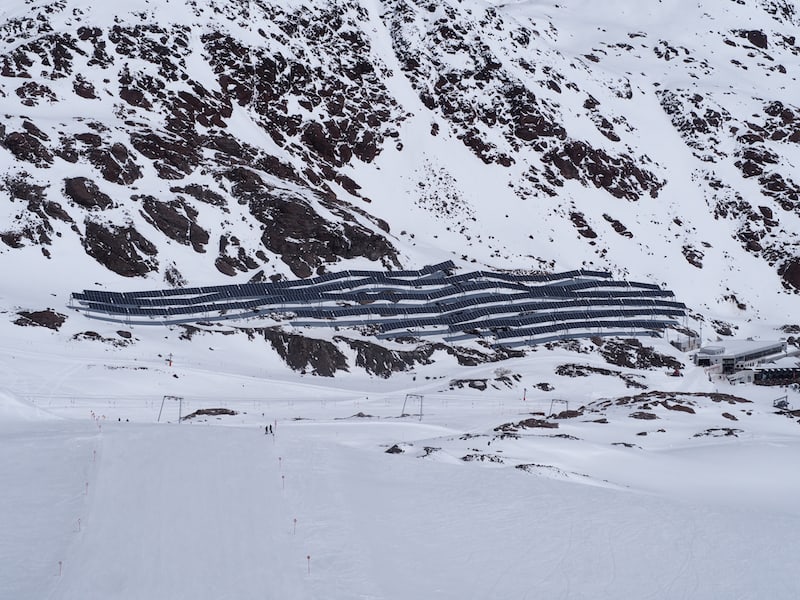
{"points": [[736, 355], [782, 371]]}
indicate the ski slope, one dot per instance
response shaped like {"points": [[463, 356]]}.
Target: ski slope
{"points": [[215, 508]]}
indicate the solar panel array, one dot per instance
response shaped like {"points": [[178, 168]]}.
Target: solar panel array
{"points": [[509, 309]]}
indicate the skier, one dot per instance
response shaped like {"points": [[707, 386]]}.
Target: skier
{"points": [[266, 429]]}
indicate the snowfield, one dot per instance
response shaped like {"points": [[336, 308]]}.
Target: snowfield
{"points": [[201, 142], [212, 507]]}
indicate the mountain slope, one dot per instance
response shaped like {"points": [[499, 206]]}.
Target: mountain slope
{"points": [[192, 142]]}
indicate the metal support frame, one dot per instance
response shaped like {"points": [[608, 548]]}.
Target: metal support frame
{"points": [[180, 406], [781, 403], [558, 401], [412, 397]]}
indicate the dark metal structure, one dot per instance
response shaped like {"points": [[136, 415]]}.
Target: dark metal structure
{"points": [[507, 309]]}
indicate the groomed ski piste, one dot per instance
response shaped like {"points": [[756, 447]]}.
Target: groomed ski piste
{"points": [[510, 309], [102, 500]]}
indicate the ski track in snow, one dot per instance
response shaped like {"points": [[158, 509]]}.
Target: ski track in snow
{"points": [[203, 510]]}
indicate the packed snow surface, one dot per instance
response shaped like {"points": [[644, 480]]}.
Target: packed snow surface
{"points": [[103, 500]]}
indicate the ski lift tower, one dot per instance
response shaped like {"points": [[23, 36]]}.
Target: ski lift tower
{"points": [[413, 398], [556, 401], [180, 406]]}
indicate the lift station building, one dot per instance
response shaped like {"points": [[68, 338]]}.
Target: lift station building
{"points": [[736, 355]]}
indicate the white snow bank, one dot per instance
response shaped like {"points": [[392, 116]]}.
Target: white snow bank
{"points": [[13, 410]]}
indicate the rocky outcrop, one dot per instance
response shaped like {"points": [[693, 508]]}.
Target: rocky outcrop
{"points": [[306, 355], [716, 136], [121, 249], [41, 318], [176, 219], [27, 148], [306, 241], [84, 192], [487, 95], [380, 361]]}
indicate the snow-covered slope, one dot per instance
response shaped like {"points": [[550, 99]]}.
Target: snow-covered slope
{"points": [[170, 143], [200, 141], [627, 494]]}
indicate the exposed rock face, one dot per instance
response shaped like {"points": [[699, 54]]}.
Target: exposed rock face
{"points": [[790, 272], [84, 192], [304, 354], [41, 318], [28, 148], [274, 81], [716, 136], [34, 225], [383, 362], [203, 194], [633, 354], [115, 162], [324, 358], [233, 257], [122, 250], [306, 241], [501, 100], [176, 219]]}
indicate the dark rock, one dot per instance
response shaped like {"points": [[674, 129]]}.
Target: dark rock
{"points": [[380, 361], [475, 384], [568, 414], [232, 257], [122, 250], [754, 36], [31, 93], [693, 256], [632, 354], [306, 241], [41, 318], [83, 88], [176, 219], [213, 412], [790, 273], [526, 424], [134, 97], [647, 416], [719, 432], [618, 175], [722, 327], [203, 194], [246, 184], [173, 158], [678, 407], [21, 187], [618, 226], [55, 210], [25, 146], [581, 225], [115, 163], [84, 192], [301, 353]]}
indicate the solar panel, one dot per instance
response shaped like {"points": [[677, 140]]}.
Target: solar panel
{"points": [[512, 305]]}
